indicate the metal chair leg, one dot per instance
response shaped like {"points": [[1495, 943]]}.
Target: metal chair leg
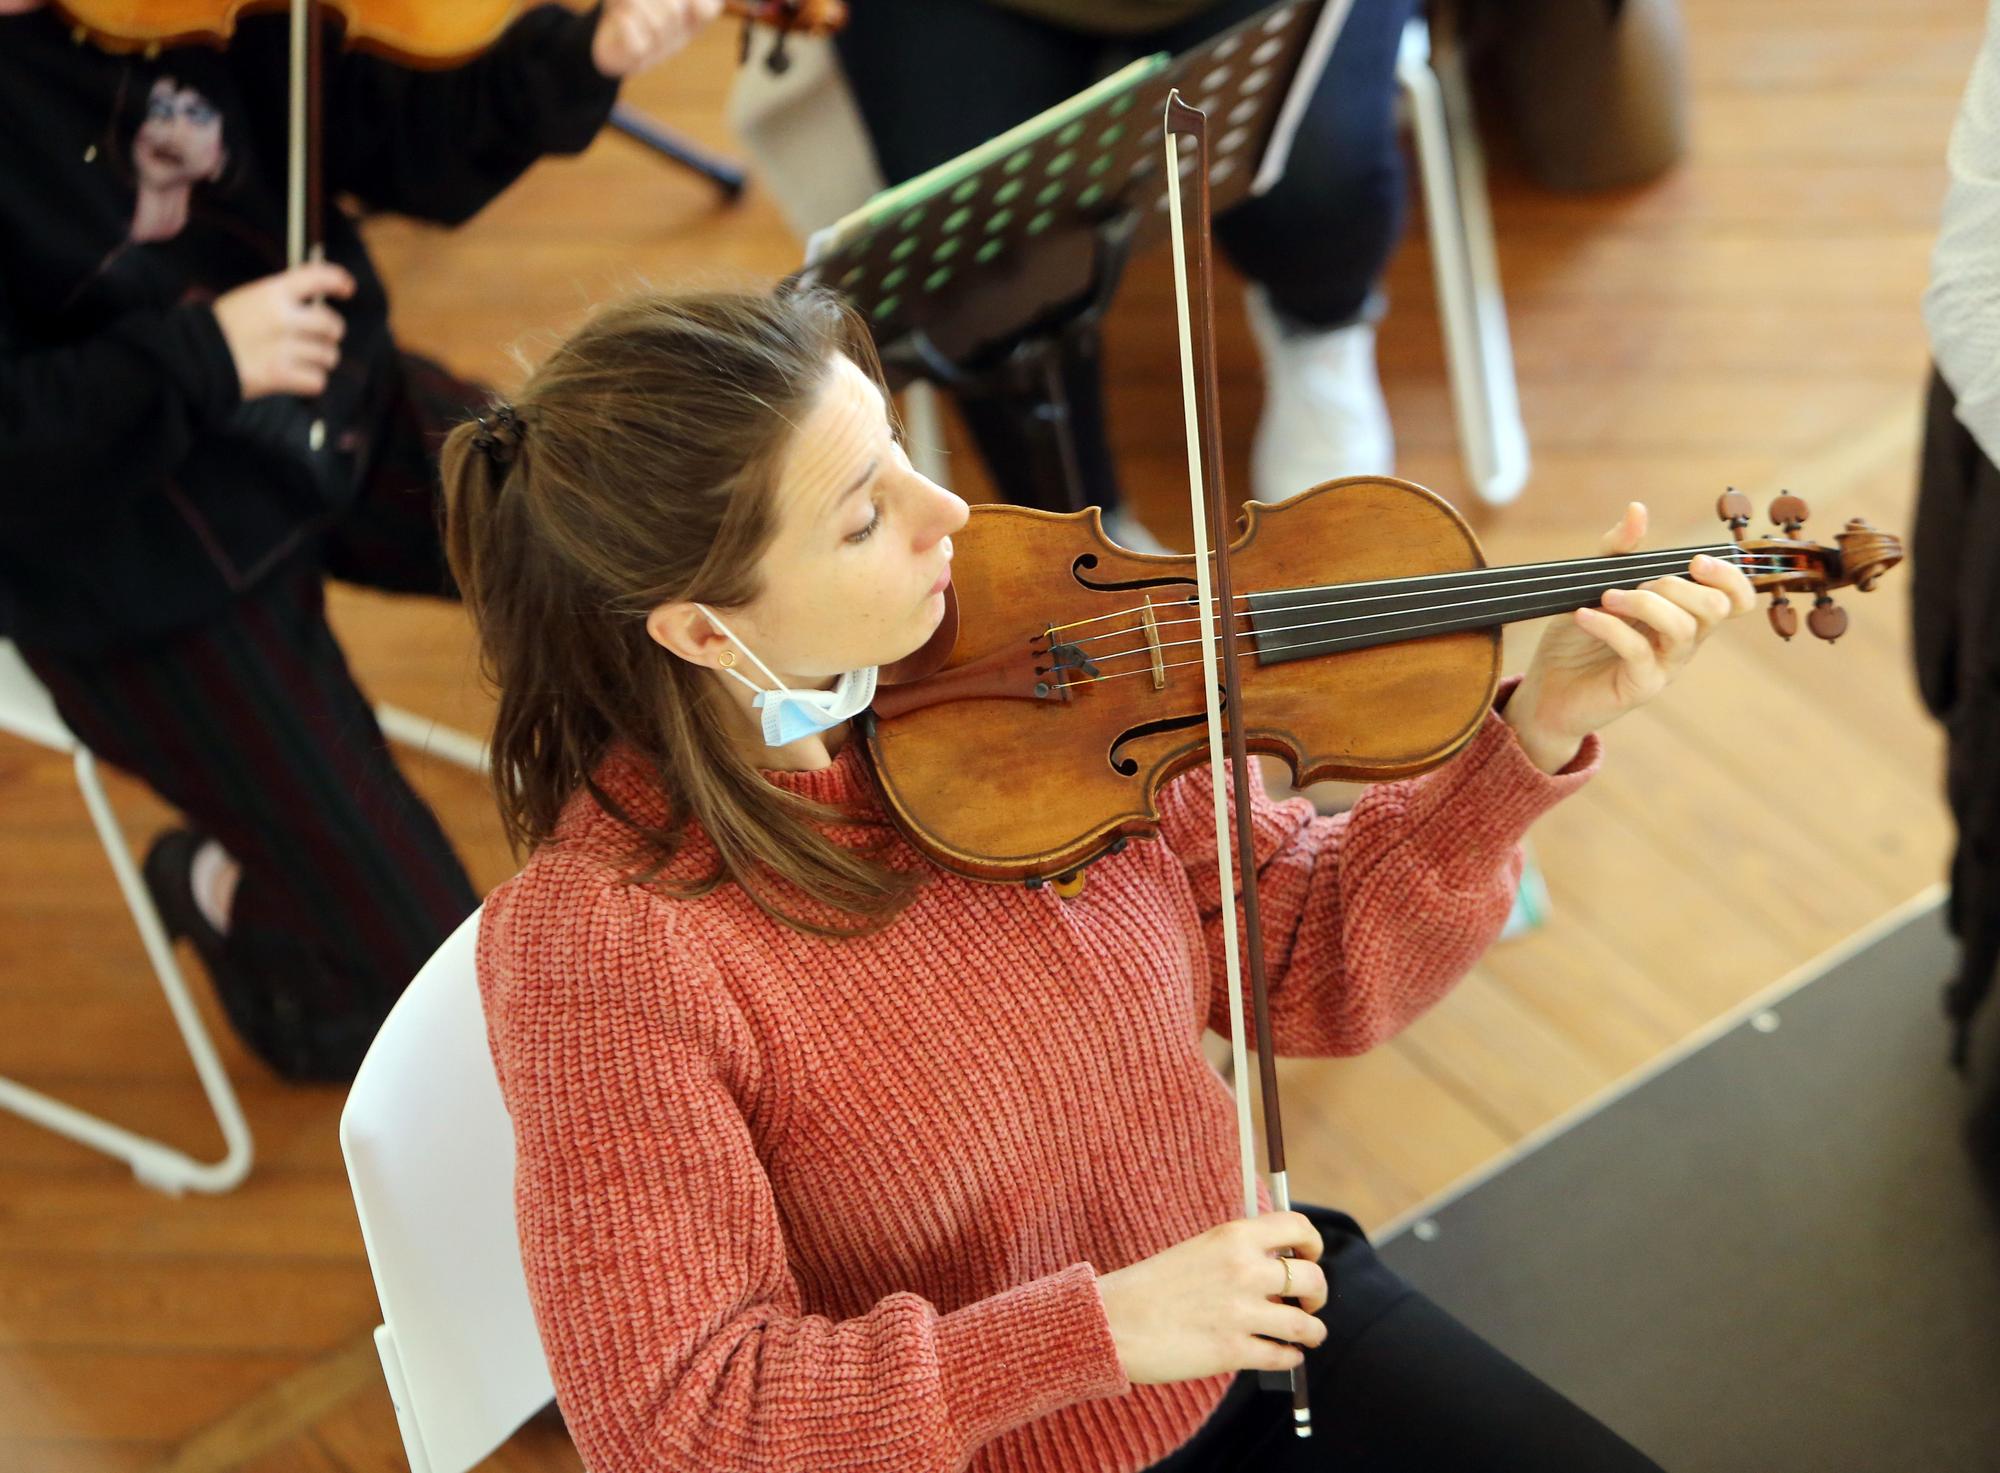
{"points": [[433, 738], [154, 1163], [1478, 349]]}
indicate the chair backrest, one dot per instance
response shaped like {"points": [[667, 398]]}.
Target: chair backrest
{"points": [[430, 1157]]}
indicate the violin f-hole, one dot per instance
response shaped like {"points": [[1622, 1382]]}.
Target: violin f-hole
{"points": [[1089, 560], [1126, 766]]}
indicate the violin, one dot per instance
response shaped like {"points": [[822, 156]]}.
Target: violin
{"points": [[1365, 617]]}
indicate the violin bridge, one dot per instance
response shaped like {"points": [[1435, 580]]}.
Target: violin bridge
{"points": [[1153, 644]]}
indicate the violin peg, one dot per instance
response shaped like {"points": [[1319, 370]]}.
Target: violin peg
{"points": [[1784, 618], [1827, 620], [1789, 512], [1734, 508]]}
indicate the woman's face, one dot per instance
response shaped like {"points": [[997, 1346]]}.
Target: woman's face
{"points": [[856, 572], [180, 143]]}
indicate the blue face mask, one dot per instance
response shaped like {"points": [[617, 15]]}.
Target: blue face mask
{"points": [[791, 714]]}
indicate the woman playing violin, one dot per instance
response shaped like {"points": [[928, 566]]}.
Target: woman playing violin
{"points": [[829, 1159], [166, 514]]}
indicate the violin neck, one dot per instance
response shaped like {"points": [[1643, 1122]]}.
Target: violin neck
{"points": [[1296, 623]]}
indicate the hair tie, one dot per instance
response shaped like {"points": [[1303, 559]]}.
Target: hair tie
{"points": [[499, 435]]}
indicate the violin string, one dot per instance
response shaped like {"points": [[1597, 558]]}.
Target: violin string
{"points": [[1277, 624], [1665, 557], [1634, 571], [1388, 620], [1729, 551]]}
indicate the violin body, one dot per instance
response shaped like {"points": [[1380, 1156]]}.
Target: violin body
{"points": [[1051, 783], [425, 33], [419, 32]]}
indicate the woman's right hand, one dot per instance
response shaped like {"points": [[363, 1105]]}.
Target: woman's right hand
{"points": [[1198, 1308], [283, 338]]}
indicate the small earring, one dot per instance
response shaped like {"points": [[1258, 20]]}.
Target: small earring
{"points": [[727, 659]]}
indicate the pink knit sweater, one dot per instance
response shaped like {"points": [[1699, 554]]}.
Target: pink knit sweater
{"points": [[795, 1204]]}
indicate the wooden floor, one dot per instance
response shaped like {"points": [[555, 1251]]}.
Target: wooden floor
{"points": [[1751, 320]]}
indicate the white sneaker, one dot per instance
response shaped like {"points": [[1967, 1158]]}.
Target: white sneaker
{"points": [[1323, 410], [1130, 533]]}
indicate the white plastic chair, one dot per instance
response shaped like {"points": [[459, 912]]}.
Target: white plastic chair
{"points": [[430, 1158], [812, 151], [26, 711]]}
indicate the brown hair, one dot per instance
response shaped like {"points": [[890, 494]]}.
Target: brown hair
{"points": [[635, 469]]}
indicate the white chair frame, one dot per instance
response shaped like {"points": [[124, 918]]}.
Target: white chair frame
{"points": [[28, 712], [1479, 351]]}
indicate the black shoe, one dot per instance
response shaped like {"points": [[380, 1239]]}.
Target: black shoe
{"points": [[267, 1016], [169, 872]]}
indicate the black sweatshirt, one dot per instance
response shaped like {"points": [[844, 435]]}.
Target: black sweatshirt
{"points": [[139, 492]]}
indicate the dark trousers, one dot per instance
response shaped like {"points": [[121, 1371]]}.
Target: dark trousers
{"points": [[933, 78], [1400, 1387], [253, 726], [1955, 629]]}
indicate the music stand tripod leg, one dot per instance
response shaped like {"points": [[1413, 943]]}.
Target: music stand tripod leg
{"points": [[725, 176]]}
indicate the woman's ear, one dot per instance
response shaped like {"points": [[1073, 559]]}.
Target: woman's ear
{"points": [[681, 628]]}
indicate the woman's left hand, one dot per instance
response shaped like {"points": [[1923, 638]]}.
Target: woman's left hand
{"points": [[635, 34], [1598, 663]]}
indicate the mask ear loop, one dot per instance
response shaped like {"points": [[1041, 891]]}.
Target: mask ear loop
{"points": [[729, 669]]}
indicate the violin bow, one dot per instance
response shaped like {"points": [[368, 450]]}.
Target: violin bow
{"points": [[305, 235], [1213, 594]]}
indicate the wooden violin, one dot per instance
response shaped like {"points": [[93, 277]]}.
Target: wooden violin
{"points": [[1066, 684]]}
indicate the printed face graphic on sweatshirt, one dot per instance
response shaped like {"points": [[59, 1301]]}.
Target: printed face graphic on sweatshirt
{"points": [[179, 144]]}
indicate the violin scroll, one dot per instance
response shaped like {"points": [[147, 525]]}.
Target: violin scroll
{"points": [[1785, 564]]}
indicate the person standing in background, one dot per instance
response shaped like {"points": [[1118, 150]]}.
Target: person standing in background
{"points": [[1955, 552]]}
